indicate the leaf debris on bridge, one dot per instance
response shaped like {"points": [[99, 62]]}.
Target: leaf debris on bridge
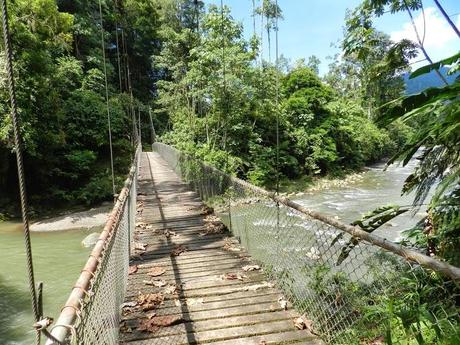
{"points": [[189, 284]]}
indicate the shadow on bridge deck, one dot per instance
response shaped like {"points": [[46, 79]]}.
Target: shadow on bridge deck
{"points": [[210, 308]]}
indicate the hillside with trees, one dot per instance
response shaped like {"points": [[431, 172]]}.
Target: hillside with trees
{"points": [[208, 88], [61, 95]]}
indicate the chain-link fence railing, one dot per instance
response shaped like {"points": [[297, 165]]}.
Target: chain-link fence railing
{"points": [[355, 287], [92, 312]]}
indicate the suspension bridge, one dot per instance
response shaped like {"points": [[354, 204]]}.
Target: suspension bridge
{"points": [[192, 255]]}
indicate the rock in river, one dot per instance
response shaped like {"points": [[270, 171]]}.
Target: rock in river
{"points": [[90, 240]]}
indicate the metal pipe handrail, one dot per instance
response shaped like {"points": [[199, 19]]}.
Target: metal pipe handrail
{"points": [[69, 313]]}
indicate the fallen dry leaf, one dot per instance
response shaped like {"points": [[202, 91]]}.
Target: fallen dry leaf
{"points": [[128, 311], [229, 246], [153, 324], [205, 210], [157, 283], [214, 225], [168, 233], [132, 269], [260, 286], [169, 320], [283, 303], [146, 325], [129, 304], [149, 301], [143, 226], [232, 276], [262, 342], [125, 329], [249, 268], [171, 289], [178, 250], [303, 323], [255, 287], [156, 271], [150, 315], [140, 246], [138, 256]]}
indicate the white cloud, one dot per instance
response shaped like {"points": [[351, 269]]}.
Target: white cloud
{"points": [[440, 39]]}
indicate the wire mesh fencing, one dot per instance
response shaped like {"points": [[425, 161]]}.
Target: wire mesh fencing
{"points": [[91, 314], [355, 288]]}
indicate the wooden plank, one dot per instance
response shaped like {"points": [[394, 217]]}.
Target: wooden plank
{"points": [[214, 324], [215, 290], [188, 254], [217, 302], [220, 334], [200, 282], [169, 307], [195, 262], [219, 266], [291, 337], [247, 310]]}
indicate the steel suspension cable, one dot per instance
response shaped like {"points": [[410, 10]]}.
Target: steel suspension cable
{"points": [[118, 57], [109, 123], [447, 17], [224, 79], [262, 34], [139, 124], [20, 166], [277, 87], [420, 42], [226, 106], [277, 91], [129, 88]]}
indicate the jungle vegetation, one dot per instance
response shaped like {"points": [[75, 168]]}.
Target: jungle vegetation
{"points": [[213, 95]]}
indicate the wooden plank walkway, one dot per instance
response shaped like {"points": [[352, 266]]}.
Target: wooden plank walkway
{"points": [[198, 304]]}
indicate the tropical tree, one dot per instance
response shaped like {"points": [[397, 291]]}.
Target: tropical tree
{"points": [[272, 13], [436, 145]]}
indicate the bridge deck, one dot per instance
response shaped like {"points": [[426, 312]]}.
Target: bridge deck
{"points": [[203, 303]]}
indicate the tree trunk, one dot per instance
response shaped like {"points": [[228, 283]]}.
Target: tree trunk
{"points": [[269, 44]]}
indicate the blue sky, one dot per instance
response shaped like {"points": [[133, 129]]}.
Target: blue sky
{"points": [[310, 26]]}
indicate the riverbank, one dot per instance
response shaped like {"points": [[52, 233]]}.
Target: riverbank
{"points": [[308, 184], [91, 219]]}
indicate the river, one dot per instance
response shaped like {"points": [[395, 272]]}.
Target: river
{"points": [[59, 256], [58, 259], [370, 189]]}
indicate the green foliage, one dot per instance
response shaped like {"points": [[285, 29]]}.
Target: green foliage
{"points": [[436, 145], [61, 96], [369, 222], [319, 132], [396, 303], [374, 63]]}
